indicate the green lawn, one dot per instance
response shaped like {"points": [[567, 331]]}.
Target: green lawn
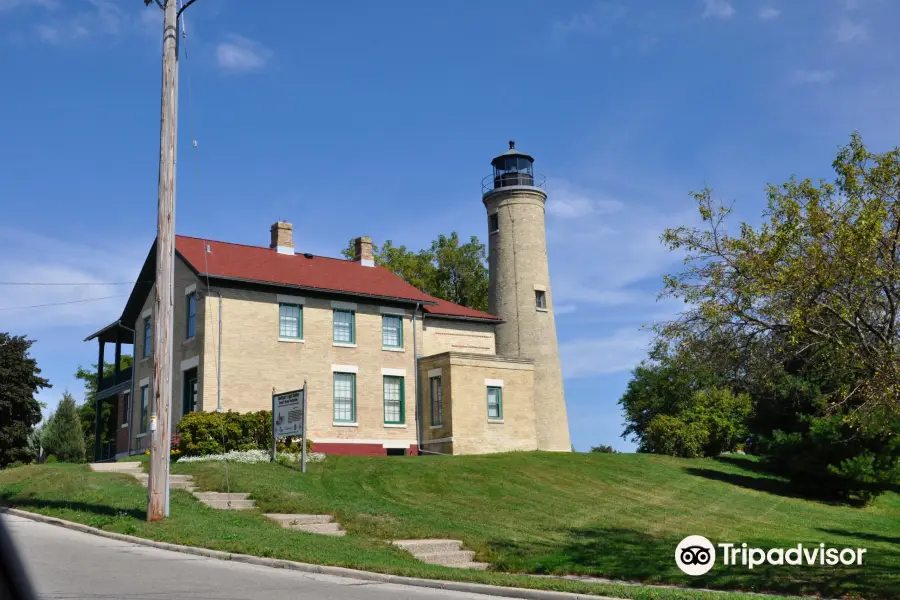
{"points": [[617, 516]]}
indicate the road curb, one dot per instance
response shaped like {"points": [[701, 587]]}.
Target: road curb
{"points": [[455, 586]]}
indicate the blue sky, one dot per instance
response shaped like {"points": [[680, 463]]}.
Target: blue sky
{"points": [[382, 118]]}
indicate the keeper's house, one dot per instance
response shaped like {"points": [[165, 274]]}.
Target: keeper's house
{"points": [[390, 369]]}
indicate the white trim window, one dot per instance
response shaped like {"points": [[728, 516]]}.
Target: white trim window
{"points": [[290, 321]]}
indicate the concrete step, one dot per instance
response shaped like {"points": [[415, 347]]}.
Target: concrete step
{"points": [[416, 547], [448, 559], [176, 485], [117, 467], [321, 528], [479, 566], [233, 505], [221, 496], [291, 520], [172, 477]]}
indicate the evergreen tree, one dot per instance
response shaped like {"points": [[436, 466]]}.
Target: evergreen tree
{"points": [[62, 435], [19, 409]]}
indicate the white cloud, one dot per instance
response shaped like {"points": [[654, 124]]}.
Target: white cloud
{"points": [[572, 203], [820, 77], [599, 18], [620, 351], [29, 257], [719, 9], [768, 13], [239, 54], [847, 31], [11, 4], [92, 18]]}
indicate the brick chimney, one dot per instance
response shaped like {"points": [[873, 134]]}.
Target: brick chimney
{"points": [[282, 237], [364, 253]]}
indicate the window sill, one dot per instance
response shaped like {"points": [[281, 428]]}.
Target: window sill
{"points": [[497, 421], [292, 340], [541, 309], [189, 340], [396, 425], [123, 426], [343, 345], [145, 359], [436, 426], [140, 435], [496, 231], [344, 424], [392, 349]]}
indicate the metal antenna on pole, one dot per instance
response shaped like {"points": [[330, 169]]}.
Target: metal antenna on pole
{"points": [[161, 417]]}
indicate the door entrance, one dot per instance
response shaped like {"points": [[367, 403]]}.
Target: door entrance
{"points": [[189, 392]]}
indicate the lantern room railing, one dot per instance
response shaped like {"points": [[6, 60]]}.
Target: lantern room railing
{"points": [[513, 179]]}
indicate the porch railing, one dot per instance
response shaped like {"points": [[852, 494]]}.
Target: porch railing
{"points": [[115, 379]]}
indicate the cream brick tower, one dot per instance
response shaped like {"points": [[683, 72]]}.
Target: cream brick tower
{"points": [[519, 290]]}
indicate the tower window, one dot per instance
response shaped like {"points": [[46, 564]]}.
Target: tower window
{"points": [[493, 223], [540, 299]]}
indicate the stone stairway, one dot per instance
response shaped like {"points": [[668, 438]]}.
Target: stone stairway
{"points": [[225, 501], [131, 468], [176, 482], [448, 553], [321, 524]]}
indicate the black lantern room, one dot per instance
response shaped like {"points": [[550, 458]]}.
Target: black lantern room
{"points": [[513, 168]]}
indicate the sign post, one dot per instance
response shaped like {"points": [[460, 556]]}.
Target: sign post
{"points": [[288, 416], [303, 447], [274, 438]]}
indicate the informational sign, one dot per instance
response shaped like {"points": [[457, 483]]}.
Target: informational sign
{"points": [[287, 414]]}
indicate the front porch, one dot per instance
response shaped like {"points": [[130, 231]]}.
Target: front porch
{"points": [[114, 389]]}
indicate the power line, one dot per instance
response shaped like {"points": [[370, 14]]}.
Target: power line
{"points": [[83, 283], [62, 303]]}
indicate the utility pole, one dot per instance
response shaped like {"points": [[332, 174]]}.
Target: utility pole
{"points": [[161, 416]]}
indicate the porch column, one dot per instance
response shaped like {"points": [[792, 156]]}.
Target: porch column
{"points": [[97, 402], [118, 366]]}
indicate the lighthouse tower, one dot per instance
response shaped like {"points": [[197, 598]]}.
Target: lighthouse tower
{"points": [[519, 286]]}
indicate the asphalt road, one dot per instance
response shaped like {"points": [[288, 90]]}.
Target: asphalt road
{"points": [[65, 564]]}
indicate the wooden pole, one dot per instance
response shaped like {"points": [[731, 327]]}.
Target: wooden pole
{"points": [[160, 438]]}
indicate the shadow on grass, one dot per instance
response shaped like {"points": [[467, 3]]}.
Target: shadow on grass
{"points": [[97, 509], [760, 467], [769, 485], [872, 537], [628, 555]]}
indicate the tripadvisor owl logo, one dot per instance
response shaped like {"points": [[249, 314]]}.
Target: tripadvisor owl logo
{"points": [[695, 555]]}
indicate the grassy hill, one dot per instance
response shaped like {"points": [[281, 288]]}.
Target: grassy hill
{"points": [[617, 516]]}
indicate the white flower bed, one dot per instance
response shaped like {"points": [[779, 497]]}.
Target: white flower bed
{"points": [[252, 457]]}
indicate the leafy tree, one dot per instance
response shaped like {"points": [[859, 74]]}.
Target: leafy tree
{"points": [[448, 269], [20, 411], [87, 412], [714, 422], [800, 314], [62, 435], [822, 272]]}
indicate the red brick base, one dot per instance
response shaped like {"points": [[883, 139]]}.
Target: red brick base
{"points": [[359, 449]]}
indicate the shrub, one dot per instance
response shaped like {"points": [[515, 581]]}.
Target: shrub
{"points": [[714, 423], [202, 433], [63, 435], [832, 459], [51, 458], [603, 448]]}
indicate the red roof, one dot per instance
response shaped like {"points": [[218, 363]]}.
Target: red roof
{"points": [[264, 265]]}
